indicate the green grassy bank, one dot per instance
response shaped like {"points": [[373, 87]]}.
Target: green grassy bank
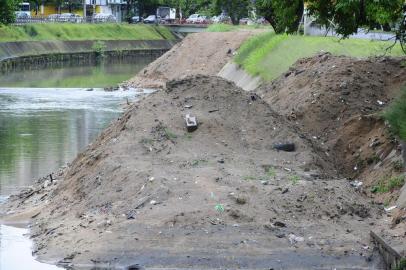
{"points": [[222, 27], [269, 55], [68, 32]]}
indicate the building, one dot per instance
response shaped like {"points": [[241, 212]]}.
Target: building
{"points": [[117, 8]]}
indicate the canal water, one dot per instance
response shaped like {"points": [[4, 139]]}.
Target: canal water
{"points": [[47, 117]]}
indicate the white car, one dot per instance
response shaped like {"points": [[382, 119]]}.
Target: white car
{"points": [[69, 17], [196, 18], [102, 18], [150, 19]]}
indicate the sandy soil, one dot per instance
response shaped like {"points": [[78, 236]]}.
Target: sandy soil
{"points": [[337, 102], [148, 192], [202, 53]]}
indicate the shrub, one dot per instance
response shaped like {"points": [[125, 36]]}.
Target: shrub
{"points": [[396, 116]]}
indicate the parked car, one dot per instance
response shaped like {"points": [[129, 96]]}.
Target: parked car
{"points": [[20, 15], [103, 18], [137, 19], [150, 19], [245, 21], [70, 17], [196, 18], [262, 20], [54, 17], [221, 19]]}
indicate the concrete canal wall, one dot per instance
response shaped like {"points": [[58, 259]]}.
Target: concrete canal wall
{"points": [[14, 55]]}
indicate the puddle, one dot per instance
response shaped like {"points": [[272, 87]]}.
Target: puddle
{"points": [[15, 250]]}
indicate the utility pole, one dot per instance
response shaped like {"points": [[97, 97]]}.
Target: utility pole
{"points": [[84, 10]]}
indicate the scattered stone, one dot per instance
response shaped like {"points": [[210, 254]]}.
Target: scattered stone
{"points": [[357, 184], [287, 147], [293, 239], [279, 224]]}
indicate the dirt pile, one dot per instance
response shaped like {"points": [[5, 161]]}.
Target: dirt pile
{"points": [[336, 102], [202, 53], [148, 192]]}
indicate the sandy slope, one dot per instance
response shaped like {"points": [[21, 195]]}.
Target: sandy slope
{"points": [[202, 53]]}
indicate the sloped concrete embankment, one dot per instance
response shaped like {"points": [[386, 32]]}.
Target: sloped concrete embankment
{"points": [[15, 54], [232, 72]]}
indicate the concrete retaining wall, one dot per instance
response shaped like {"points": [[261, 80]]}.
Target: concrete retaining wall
{"points": [[234, 73], [29, 48], [17, 55]]}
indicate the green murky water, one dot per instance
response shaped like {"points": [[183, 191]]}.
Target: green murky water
{"points": [[47, 116]]}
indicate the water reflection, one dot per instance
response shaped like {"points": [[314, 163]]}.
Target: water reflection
{"points": [[43, 129], [109, 72]]}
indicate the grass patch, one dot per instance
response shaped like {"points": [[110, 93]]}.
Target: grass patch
{"points": [[66, 31], [294, 179], [398, 166], [271, 172], [269, 55], [390, 185], [396, 116], [249, 178], [169, 134], [223, 27], [198, 162]]}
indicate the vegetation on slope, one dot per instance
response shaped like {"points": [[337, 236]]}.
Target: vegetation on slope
{"points": [[396, 116], [269, 55], [49, 31], [223, 27]]}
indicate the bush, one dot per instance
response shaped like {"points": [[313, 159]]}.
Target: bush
{"points": [[396, 116], [389, 185]]}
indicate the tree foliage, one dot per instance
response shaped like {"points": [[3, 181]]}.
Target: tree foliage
{"points": [[7, 11], [236, 9], [283, 15], [346, 16]]}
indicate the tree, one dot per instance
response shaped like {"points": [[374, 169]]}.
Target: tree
{"points": [[283, 15], [7, 11], [346, 16], [236, 9]]}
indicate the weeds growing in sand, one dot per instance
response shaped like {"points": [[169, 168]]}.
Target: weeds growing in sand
{"points": [[188, 136], [249, 178], [398, 165], [198, 162], [396, 116], [373, 159], [219, 208], [294, 178], [146, 141], [170, 135], [271, 172], [401, 265], [393, 183]]}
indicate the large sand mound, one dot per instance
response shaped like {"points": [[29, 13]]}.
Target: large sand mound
{"points": [[149, 192], [337, 101]]}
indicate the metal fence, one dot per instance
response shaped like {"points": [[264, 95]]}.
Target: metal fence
{"points": [[61, 19]]}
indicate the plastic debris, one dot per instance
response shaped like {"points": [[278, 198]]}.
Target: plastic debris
{"points": [[191, 123], [390, 208], [356, 184]]}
